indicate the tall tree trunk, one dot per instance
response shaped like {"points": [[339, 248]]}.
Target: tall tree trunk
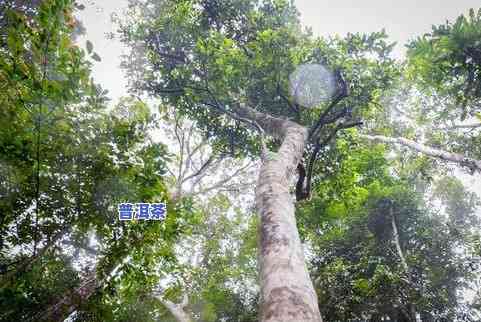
{"points": [[71, 301], [287, 292]]}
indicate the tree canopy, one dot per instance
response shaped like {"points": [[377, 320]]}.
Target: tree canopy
{"points": [[306, 178]]}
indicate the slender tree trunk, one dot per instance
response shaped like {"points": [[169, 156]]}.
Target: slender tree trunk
{"points": [[398, 244], [410, 307], [287, 292]]}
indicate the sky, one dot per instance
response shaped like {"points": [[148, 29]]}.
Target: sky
{"points": [[403, 21]]}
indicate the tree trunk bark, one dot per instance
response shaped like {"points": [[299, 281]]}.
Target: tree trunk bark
{"points": [[287, 292], [71, 301]]}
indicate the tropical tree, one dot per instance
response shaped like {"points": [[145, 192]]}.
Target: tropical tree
{"points": [[216, 275], [378, 249], [65, 163], [358, 220], [227, 66], [438, 100]]}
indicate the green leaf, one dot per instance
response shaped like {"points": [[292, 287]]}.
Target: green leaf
{"points": [[96, 57], [90, 46], [80, 6]]}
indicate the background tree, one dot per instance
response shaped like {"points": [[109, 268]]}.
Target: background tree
{"points": [[216, 275], [438, 100], [382, 250], [214, 278], [65, 164], [198, 170]]}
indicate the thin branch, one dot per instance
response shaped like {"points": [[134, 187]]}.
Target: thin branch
{"points": [[397, 109], [188, 159], [203, 168], [222, 182], [306, 190], [180, 140], [342, 92], [213, 167]]}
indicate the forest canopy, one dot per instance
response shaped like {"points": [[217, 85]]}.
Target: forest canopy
{"points": [[304, 178]]}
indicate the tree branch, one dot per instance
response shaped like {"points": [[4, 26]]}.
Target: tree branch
{"points": [[203, 168], [342, 92], [460, 126], [473, 164], [221, 183]]}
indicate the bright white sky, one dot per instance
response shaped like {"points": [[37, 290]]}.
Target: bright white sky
{"points": [[403, 21]]}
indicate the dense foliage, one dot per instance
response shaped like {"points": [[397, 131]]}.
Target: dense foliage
{"points": [[207, 57], [389, 232], [66, 161]]}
